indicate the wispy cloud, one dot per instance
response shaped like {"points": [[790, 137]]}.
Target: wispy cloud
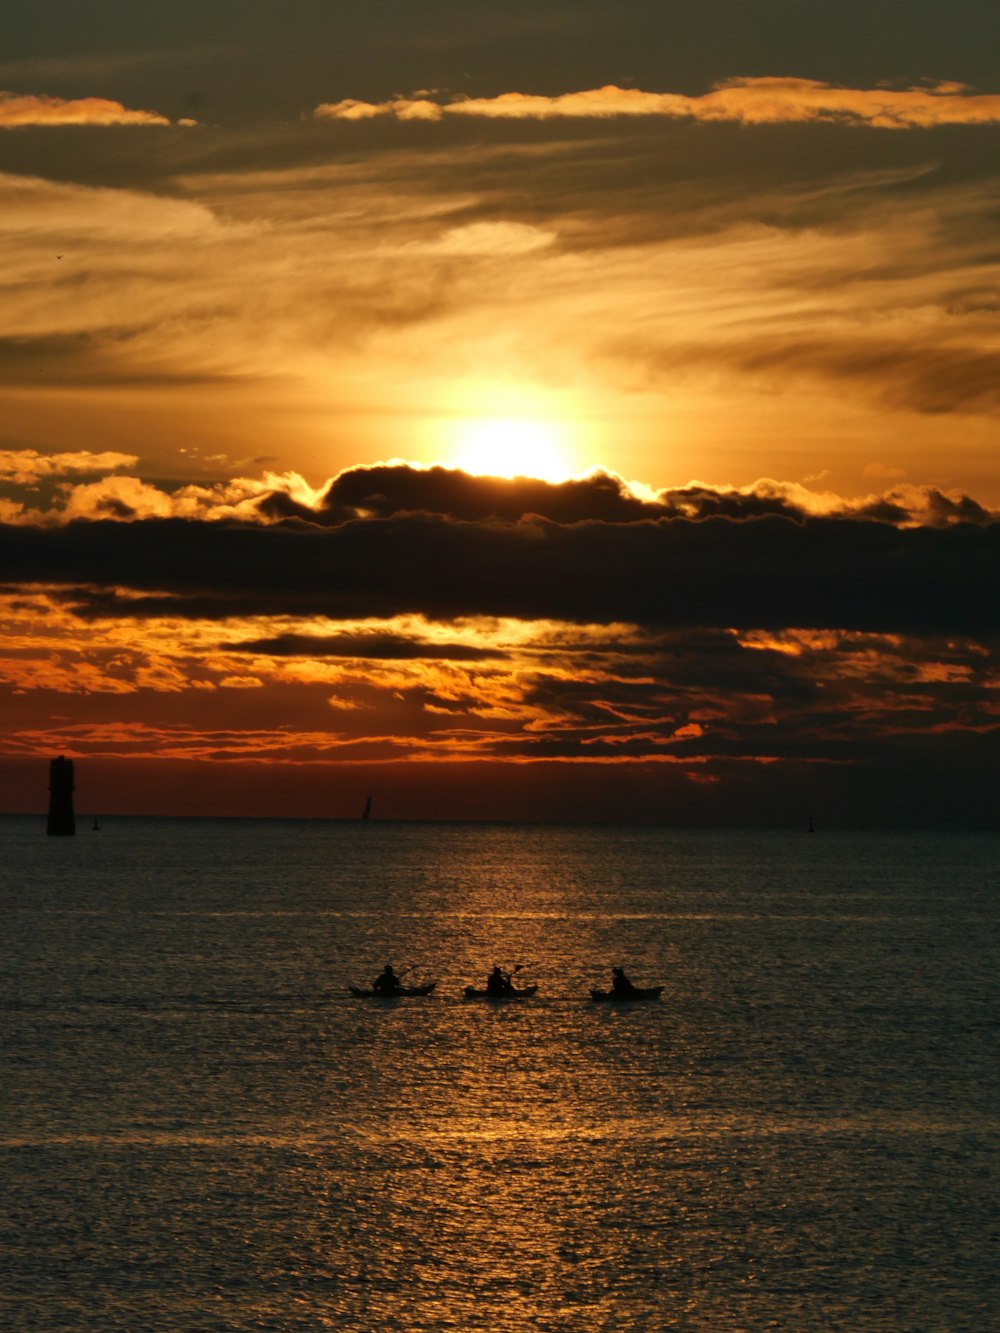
{"points": [[356, 297], [746, 101]]}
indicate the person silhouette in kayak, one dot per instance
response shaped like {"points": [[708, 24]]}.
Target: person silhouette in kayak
{"points": [[499, 982], [386, 982], [620, 984]]}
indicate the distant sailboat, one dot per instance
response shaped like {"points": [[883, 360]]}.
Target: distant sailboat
{"points": [[368, 808]]}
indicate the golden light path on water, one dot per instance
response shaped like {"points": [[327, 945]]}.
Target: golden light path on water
{"points": [[207, 1131]]}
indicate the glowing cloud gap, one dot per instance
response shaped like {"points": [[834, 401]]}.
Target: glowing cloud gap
{"points": [[751, 101], [18, 110]]}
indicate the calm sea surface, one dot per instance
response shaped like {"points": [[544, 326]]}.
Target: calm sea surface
{"points": [[200, 1130]]}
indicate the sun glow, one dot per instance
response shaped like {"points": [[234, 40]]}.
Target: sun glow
{"points": [[512, 447]]}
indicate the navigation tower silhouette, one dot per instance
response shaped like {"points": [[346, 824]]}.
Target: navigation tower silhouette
{"points": [[62, 821]]}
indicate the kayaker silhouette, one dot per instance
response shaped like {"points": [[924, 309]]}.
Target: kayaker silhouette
{"points": [[499, 982], [620, 984], [386, 982]]}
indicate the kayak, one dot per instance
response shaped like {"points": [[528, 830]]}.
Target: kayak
{"points": [[473, 993], [638, 993], [369, 994]]}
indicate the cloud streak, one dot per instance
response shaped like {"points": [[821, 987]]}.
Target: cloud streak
{"points": [[371, 646], [743, 101], [18, 110]]}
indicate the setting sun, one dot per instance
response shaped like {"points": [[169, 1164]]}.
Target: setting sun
{"points": [[512, 447], [497, 500]]}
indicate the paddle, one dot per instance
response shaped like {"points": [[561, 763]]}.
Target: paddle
{"points": [[407, 970], [519, 967]]}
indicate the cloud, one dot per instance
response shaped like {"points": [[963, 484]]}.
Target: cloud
{"points": [[110, 357], [402, 108], [399, 490], [769, 572], [915, 373], [387, 490], [18, 110], [116, 498], [711, 704], [745, 101], [107, 221], [27, 466], [492, 239], [387, 285], [384, 647], [127, 497]]}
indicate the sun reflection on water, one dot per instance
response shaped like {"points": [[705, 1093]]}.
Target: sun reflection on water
{"points": [[218, 1137]]}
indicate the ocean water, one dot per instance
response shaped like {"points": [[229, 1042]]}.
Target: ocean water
{"points": [[200, 1130]]}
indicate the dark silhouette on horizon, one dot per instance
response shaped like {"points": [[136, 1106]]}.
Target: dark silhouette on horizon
{"points": [[62, 821], [368, 808], [387, 982], [623, 989], [500, 986], [388, 986]]}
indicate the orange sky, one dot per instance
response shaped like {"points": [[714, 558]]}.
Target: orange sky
{"points": [[743, 287]]}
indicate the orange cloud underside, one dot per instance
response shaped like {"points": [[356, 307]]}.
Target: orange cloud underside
{"points": [[747, 101], [18, 110], [149, 689]]}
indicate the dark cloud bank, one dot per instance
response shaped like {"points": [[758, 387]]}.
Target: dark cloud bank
{"points": [[890, 721], [388, 541]]}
